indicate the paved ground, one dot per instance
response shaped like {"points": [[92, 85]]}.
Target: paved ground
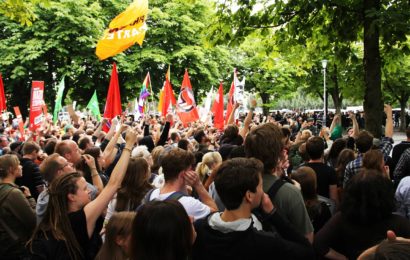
{"points": [[398, 136]]}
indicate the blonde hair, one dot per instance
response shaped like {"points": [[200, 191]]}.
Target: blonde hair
{"points": [[120, 225], [208, 161], [8, 161]]}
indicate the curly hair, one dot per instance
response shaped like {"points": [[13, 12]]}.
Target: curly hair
{"points": [[368, 198]]}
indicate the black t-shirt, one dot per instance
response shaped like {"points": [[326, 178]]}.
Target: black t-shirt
{"points": [[51, 248], [325, 176]]}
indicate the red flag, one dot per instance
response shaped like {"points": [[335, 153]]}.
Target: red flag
{"points": [[231, 101], [218, 108], [36, 103], [169, 97], [113, 102], [186, 108], [2, 96]]}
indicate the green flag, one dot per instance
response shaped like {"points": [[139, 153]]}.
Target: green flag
{"points": [[59, 97], [93, 106]]}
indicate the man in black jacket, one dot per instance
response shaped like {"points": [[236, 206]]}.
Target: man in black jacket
{"points": [[31, 178], [238, 234]]}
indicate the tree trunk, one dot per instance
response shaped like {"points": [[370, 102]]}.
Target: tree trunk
{"points": [[373, 104], [403, 103], [336, 95], [265, 100]]}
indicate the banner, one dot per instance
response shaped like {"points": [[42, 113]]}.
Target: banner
{"points": [[218, 108], [113, 101], [21, 123], [125, 30], [94, 107], [186, 106], [59, 97], [36, 104], [144, 93], [2, 96]]}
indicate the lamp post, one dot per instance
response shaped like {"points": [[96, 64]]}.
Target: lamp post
{"points": [[324, 64]]}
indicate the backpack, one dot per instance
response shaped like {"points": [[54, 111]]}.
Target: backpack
{"points": [[174, 196]]}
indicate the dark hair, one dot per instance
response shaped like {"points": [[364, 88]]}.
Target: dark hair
{"points": [[174, 136], [183, 144], [337, 146], [77, 134], [29, 147], [368, 198], [83, 142], [237, 151], [235, 177], [56, 219], [231, 136], [161, 231], [95, 152], [408, 132], [134, 185], [50, 146], [265, 143], [364, 141], [315, 147], [175, 161], [346, 155], [199, 135]]}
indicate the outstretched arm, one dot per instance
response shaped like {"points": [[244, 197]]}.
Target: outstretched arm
{"points": [[95, 208]]}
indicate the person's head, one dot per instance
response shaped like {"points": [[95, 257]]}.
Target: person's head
{"points": [[77, 135], [142, 152], [364, 141], [162, 230], [4, 141], [53, 166], [337, 146], [175, 137], [67, 192], [117, 237], [156, 158], [96, 152], [31, 148], [10, 166], [306, 177], [200, 137], [69, 150], [84, 143], [209, 161], [373, 159], [238, 181], [388, 250], [184, 144], [175, 162], [50, 145], [368, 198], [315, 147], [346, 155], [134, 185], [265, 143]]}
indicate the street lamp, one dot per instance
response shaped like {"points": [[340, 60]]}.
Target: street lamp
{"points": [[324, 64]]}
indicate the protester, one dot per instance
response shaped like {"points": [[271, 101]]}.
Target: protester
{"points": [[117, 237], [70, 228], [364, 218], [236, 233], [17, 217], [162, 230]]}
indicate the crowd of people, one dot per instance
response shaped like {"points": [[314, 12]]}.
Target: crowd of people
{"points": [[279, 186]]}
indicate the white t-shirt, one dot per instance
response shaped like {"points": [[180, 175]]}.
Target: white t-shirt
{"points": [[193, 207]]}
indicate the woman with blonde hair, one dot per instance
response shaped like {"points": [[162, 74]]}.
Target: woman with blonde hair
{"points": [[117, 237], [17, 215], [209, 162]]}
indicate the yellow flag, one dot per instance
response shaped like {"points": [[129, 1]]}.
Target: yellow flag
{"points": [[125, 30], [161, 100]]}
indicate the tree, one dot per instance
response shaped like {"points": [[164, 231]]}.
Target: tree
{"points": [[21, 11], [347, 20]]}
